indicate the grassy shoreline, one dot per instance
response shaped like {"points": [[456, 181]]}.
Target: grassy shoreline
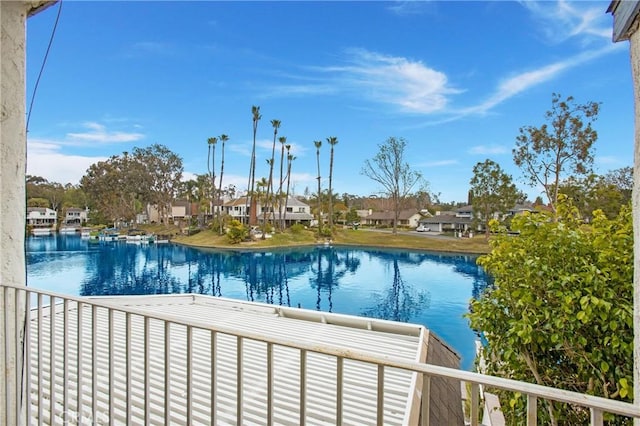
{"points": [[345, 237]]}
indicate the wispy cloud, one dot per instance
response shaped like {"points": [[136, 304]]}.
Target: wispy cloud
{"points": [[440, 163], [97, 132], [523, 81], [488, 150], [563, 20], [410, 7], [408, 84]]}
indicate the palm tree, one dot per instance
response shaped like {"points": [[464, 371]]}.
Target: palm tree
{"points": [[255, 111], [276, 125], [290, 159], [223, 138], [267, 201], [318, 144], [332, 140], [283, 141], [212, 173]]}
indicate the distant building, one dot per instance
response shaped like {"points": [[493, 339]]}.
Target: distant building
{"points": [[41, 217], [75, 216], [408, 218]]}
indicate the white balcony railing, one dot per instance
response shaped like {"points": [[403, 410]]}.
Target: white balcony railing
{"points": [[62, 383]]}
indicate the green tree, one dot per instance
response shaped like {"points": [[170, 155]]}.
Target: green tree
{"points": [[161, 178], [558, 148], [115, 187], [560, 311], [493, 192], [389, 169]]}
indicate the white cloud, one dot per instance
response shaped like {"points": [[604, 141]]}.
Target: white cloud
{"points": [[488, 150], [45, 159], [525, 80], [98, 133], [563, 20], [410, 85], [441, 163]]}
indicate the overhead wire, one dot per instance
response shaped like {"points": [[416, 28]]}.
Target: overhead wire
{"points": [[44, 61]]}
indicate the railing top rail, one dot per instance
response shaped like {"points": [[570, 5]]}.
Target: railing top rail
{"points": [[544, 392]]}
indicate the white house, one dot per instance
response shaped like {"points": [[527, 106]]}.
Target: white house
{"points": [[75, 216], [41, 219]]}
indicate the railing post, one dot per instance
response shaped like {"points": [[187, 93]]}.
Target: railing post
{"points": [[303, 386], [596, 417], [532, 410], [339, 389], [475, 402], [380, 396], [425, 403]]}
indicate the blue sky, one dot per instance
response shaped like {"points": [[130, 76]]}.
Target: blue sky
{"points": [[455, 79]]}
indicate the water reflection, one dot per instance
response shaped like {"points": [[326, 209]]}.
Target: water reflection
{"points": [[427, 288]]}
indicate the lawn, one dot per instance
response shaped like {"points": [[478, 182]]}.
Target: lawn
{"points": [[361, 237]]}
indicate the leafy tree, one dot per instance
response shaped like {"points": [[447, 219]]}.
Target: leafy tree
{"points": [[560, 311], [38, 202], [114, 188], [623, 180], [162, 175], [389, 169], [560, 147], [493, 191], [332, 140], [594, 192]]}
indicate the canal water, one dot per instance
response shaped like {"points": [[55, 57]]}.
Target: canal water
{"points": [[410, 286]]}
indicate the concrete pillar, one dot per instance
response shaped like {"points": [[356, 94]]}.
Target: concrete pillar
{"points": [[13, 16], [13, 147], [635, 69]]}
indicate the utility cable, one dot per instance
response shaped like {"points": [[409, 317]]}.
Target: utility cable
{"points": [[44, 61]]}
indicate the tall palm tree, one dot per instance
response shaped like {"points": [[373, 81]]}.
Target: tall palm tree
{"points": [[255, 112], [212, 173], [290, 159], [283, 141], [318, 144], [332, 140], [267, 201], [223, 138], [276, 126]]}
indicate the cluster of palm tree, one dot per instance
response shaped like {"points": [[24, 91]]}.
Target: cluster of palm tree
{"points": [[331, 140], [264, 189], [216, 193]]}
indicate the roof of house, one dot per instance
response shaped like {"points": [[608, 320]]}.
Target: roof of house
{"points": [[390, 215], [445, 218], [625, 18]]}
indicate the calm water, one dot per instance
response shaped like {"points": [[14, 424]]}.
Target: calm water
{"points": [[425, 288]]}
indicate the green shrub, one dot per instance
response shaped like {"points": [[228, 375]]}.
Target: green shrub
{"points": [[297, 228], [236, 232]]}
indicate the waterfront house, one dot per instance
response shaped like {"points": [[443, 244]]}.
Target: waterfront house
{"points": [[74, 216], [407, 218], [41, 219], [296, 211]]}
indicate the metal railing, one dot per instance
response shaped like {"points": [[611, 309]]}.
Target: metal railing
{"points": [[62, 382]]}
